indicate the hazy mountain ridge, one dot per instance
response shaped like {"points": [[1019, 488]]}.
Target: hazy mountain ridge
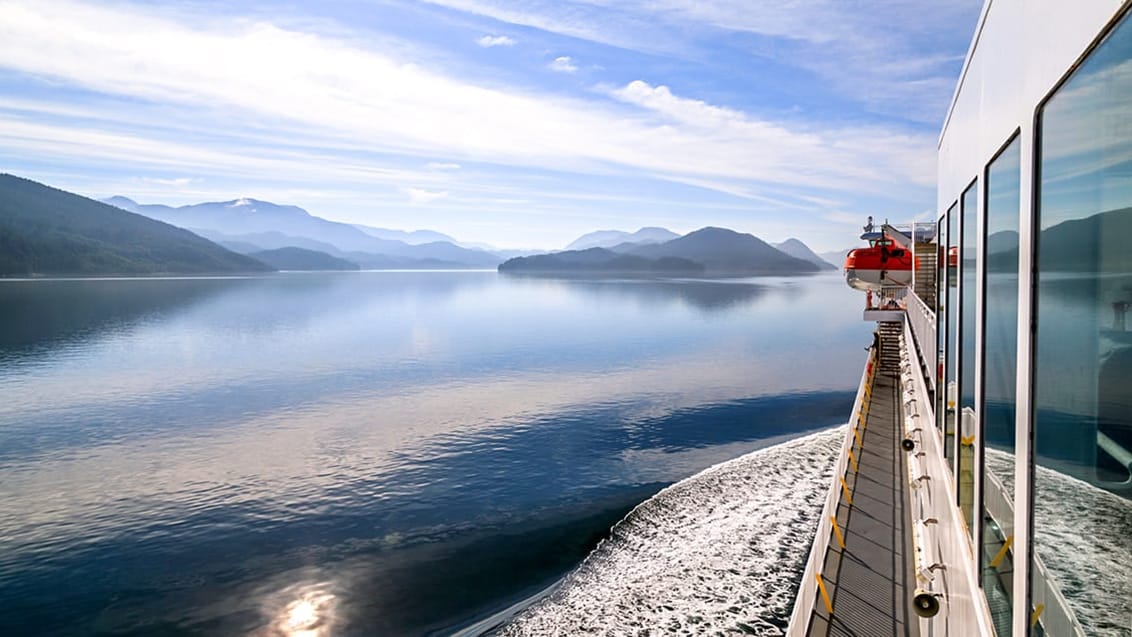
{"points": [[272, 226], [837, 257], [708, 250], [44, 230], [291, 258], [410, 237], [612, 238], [799, 250]]}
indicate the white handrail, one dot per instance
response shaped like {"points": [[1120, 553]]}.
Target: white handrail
{"points": [[808, 588], [922, 320]]}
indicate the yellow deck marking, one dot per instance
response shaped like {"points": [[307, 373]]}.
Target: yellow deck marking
{"points": [[824, 594], [854, 460], [845, 490], [837, 530]]}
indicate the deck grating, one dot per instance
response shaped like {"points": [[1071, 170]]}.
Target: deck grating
{"points": [[868, 581]]}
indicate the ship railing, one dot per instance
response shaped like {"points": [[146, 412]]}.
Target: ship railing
{"points": [[809, 588], [1055, 615], [889, 297], [922, 322], [947, 589]]}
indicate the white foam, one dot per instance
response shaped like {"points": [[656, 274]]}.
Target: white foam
{"points": [[721, 551]]}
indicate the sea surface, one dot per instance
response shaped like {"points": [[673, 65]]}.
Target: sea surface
{"points": [[392, 453]]}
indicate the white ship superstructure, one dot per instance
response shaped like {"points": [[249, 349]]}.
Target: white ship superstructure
{"points": [[985, 483]]}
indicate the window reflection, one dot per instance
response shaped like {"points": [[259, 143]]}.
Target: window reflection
{"points": [[1000, 348], [966, 415], [951, 390], [941, 318], [1083, 349]]}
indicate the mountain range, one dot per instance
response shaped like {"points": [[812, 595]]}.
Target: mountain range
{"points": [[251, 225], [711, 251], [612, 238], [48, 231], [44, 230]]}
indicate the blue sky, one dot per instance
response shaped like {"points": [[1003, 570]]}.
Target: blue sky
{"points": [[518, 124]]}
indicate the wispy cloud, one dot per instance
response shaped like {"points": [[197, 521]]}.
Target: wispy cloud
{"points": [[563, 64], [893, 56], [436, 165], [301, 82], [488, 41], [222, 99], [420, 196]]}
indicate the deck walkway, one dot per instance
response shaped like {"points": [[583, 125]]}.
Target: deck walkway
{"points": [[869, 580]]}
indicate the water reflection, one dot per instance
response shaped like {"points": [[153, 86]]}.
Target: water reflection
{"points": [[311, 611], [709, 295], [416, 448]]}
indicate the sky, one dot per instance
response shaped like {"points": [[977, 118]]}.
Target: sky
{"points": [[519, 124]]}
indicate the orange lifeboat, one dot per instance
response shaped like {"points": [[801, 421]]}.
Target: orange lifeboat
{"points": [[885, 263]]}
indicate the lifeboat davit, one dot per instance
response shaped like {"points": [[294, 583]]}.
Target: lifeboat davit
{"points": [[885, 263]]}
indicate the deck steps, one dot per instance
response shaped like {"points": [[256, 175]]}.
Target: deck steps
{"points": [[925, 282]]}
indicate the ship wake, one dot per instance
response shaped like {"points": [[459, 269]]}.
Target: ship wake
{"points": [[722, 551]]}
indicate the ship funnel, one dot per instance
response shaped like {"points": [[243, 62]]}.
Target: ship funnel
{"points": [[925, 603]]}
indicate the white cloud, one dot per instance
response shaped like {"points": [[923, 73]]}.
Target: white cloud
{"points": [[562, 64], [313, 97], [420, 196], [438, 165], [488, 41], [175, 182], [897, 57]]}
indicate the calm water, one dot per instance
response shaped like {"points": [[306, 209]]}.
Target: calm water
{"points": [[372, 453]]}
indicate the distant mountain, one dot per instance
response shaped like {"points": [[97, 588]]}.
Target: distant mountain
{"points": [[595, 260], [258, 241], [724, 251], [244, 219], [1002, 241], [301, 259], [799, 250], [413, 237], [611, 238], [44, 230], [1079, 245], [715, 251], [837, 257]]}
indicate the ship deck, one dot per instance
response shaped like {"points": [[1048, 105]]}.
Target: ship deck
{"points": [[869, 580]]}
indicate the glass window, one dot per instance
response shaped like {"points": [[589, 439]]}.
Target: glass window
{"points": [[1083, 350], [951, 309], [1000, 349], [967, 418], [941, 316]]}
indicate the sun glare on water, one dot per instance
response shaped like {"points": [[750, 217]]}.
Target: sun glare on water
{"points": [[302, 615], [310, 613]]}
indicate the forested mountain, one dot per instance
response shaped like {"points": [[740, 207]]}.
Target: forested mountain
{"points": [[599, 260], [44, 230], [725, 251], [302, 259], [711, 251]]}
